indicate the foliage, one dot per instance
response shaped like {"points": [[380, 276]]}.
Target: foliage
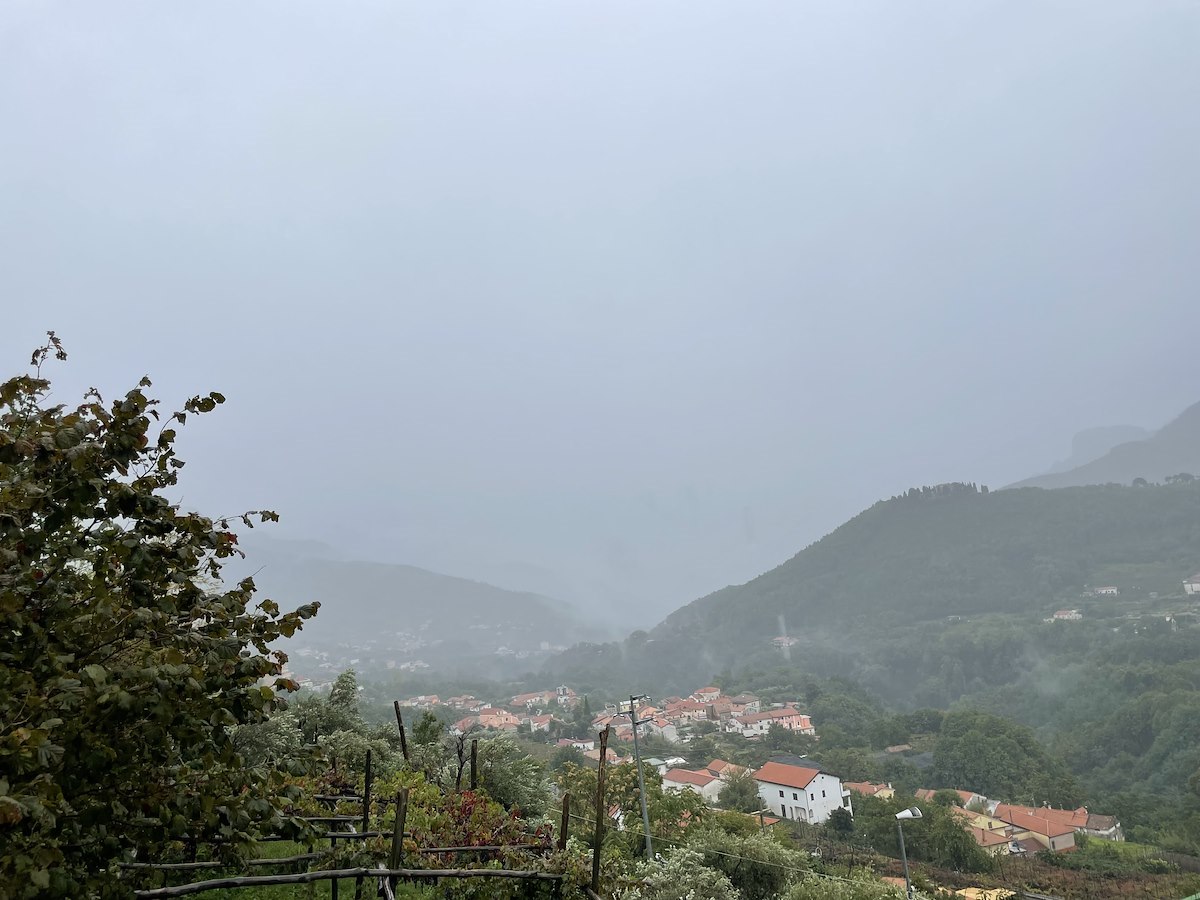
{"points": [[814, 887], [1108, 859], [683, 877], [670, 811], [512, 778], [938, 837], [757, 864], [998, 758], [123, 665], [740, 793]]}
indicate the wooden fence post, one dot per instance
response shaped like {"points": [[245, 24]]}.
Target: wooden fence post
{"points": [[396, 856], [400, 725], [566, 822], [600, 812], [366, 818]]}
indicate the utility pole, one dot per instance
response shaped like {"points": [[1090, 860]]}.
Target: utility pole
{"points": [[637, 758]]}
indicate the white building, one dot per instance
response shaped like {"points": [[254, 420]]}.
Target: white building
{"points": [[802, 793], [1192, 585], [707, 786]]}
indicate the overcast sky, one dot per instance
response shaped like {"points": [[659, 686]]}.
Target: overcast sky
{"points": [[625, 301]]}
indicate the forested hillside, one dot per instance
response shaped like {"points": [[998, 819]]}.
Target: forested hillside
{"points": [[946, 597], [954, 560]]}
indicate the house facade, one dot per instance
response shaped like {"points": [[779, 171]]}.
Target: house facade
{"points": [[801, 793], [758, 724], [707, 786]]}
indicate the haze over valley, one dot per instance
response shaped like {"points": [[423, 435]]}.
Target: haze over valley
{"points": [[783, 416]]}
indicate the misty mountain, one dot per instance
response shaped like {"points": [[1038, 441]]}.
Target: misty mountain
{"points": [[906, 570], [1092, 443], [1173, 449], [412, 612]]}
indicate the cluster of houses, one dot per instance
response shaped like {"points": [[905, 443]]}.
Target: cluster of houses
{"points": [[523, 709], [1009, 828], [669, 719], [743, 714]]}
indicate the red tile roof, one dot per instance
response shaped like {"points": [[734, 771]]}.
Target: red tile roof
{"points": [[1073, 818], [985, 838], [686, 776], [782, 773], [866, 788], [1023, 821]]}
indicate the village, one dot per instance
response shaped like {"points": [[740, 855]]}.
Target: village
{"points": [[789, 787]]}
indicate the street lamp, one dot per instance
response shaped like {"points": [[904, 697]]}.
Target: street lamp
{"points": [[911, 813]]}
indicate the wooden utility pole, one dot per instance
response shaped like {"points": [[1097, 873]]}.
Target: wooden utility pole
{"points": [[600, 811]]}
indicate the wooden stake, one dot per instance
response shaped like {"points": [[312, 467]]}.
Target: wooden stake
{"points": [[566, 822], [599, 836], [366, 818], [398, 831], [400, 725]]}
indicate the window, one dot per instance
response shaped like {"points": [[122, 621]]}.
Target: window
{"points": [[794, 797], [822, 793], [812, 796], [781, 793]]}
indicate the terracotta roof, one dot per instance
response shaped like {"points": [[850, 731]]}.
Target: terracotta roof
{"points": [[985, 838], [965, 796], [866, 788], [1067, 818], [782, 773], [686, 776], [1023, 821]]}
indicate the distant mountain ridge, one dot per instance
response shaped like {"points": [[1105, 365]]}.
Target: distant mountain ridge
{"points": [[368, 602], [1173, 449]]}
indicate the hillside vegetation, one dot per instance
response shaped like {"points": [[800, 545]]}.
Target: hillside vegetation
{"points": [[941, 598], [953, 560]]}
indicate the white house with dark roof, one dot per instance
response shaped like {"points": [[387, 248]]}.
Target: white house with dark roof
{"points": [[801, 793]]}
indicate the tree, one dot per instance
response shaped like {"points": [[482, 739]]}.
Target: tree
{"points": [[125, 662], [511, 777], [740, 793], [670, 811], [683, 875], [841, 821], [757, 864]]}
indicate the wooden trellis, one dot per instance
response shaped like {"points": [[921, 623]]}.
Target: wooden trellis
{"points": [[385, 875]]}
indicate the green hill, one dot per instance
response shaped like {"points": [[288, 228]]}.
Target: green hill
{"points": [[909, 568], [945, 598], [404, 612]]}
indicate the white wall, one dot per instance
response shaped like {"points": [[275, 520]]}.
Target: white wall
{"points": [[813, 804]]}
